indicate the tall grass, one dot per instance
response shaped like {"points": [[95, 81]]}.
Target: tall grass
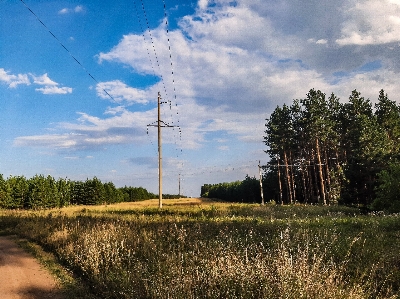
{"points": [[223, 251]]}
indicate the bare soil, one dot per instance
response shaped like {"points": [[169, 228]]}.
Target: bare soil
{"points": [[21, 276]]}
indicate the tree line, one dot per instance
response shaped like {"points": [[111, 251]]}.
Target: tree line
{"points": [[247, 191], [324, 151], [18, 192]]}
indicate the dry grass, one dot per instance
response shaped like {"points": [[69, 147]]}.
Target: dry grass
{"points": [[198, 248], [182, 204]]}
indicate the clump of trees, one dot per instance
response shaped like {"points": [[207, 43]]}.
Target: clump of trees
{"points": [[325, 151], [18, 192]]}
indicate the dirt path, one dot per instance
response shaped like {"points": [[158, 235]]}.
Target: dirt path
{"points": [[21, 276]]}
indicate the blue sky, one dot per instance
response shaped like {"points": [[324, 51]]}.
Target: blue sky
{"points": [[222, 66]]}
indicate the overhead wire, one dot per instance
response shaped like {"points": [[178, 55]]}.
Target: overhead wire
{"points": [[154, 48], [148, 51], [144, 37], [161, 75], [66, 49], [173, 85]]}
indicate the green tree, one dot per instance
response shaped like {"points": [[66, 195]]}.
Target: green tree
{"points": [[6, 200], [94, 192], [64, 187], [280, 139], [387, 113], [43, 192], [112, 194], [365, 145], [388, 189], [318, 125], [19, 191]]}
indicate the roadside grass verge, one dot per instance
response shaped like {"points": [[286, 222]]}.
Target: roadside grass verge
{"points": [[70, 285]]}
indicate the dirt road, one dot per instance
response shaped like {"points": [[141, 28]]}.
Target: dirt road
{"points": [[21, 276]]}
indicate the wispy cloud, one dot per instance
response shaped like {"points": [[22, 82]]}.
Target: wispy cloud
{"points": [[54, 90], [64, 11], [77, 9], [54, 140]]}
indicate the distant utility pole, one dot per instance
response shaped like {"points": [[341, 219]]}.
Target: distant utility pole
{"points": [[159, 124], [261, 185], [179, 185]]}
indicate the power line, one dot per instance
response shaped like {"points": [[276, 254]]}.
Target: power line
{"points": [[65, 48], [154, 48], [144, 38], [162, 77], [173, 81], [170, 55]]}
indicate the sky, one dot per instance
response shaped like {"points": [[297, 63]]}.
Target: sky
{"points": [[79, 81]]}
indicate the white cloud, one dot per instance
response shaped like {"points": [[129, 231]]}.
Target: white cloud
{"points": [[13, 80], [203, 4], [228, 75], [50, 86], [43, 80], [71, 158], [371, 22], [94, 132], [54, 90], [78, 8], [121, 92], [65, 10], [54, 140]]}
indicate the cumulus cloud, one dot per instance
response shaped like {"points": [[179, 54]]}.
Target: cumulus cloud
{"points": [[54, 90], [122, 92], [50, 86], [13, 80], [371, 22], [232, 64], [203, 4], [43, 80]]}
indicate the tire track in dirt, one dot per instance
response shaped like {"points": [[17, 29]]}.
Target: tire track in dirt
{"points": [[21, 276]]}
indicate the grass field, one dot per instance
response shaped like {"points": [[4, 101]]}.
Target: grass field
{"points": [[195, 248]]}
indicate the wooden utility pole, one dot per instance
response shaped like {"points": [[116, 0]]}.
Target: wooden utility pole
{"points": [[159, 124], [159, 154], [261, 185], [179, 185]]}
